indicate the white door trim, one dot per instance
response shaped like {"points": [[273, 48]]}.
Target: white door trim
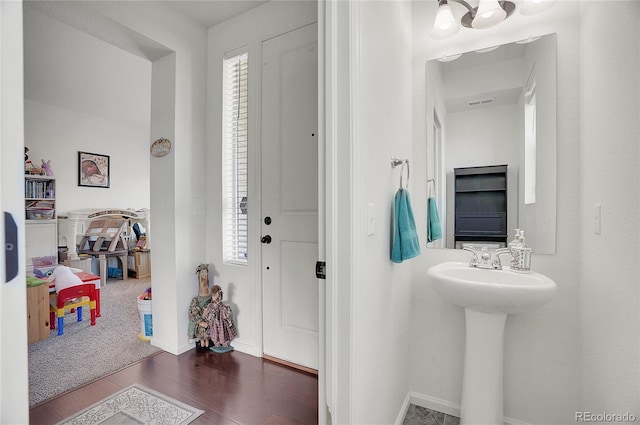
{"points": [[322, 239], [340, 67]]}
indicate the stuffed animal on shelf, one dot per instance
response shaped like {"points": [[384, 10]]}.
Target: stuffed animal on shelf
{"points": [[198, 326], [46, 166], [220, 318]]}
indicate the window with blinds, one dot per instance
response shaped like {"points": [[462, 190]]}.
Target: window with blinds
{"points": [[235, 156]]}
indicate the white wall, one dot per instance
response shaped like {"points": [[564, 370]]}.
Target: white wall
{"points": [[547, 341], [610, 318], [381, 290], [57, 134], [83, 94], [242, 284]]}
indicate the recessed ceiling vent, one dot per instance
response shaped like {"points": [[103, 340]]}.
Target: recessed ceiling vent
{"points": [[481, 101]]}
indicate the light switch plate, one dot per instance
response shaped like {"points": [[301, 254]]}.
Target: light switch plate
{"points": [[597, 218], [371, 219]]}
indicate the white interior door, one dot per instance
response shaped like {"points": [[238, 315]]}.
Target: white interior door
{"points": [[14, 364], [290, 196]]}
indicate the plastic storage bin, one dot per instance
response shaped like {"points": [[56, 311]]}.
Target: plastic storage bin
{"points": [[40, 213], [146, 319]]}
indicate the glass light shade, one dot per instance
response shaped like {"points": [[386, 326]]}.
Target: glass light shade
{"points": [[487, 49], [488, 15], [449, 58], [531, 7], [528, 40], [446, 24]]}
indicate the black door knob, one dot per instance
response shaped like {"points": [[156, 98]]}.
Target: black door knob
{"points": [[267, 220], [266, 239]]}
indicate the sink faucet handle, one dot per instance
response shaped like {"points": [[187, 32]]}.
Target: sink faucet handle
{"points": [[496, 257], [474, 260]]}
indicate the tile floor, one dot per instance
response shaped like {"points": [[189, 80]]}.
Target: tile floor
{"points": [[417, 415]]}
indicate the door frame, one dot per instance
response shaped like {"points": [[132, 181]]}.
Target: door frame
{"points": [[339, 67]]}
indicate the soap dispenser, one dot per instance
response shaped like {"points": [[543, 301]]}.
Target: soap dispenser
{"points": [[521, 254], [515, 241], [515, 254]]}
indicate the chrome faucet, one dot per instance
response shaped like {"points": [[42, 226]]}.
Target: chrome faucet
{"points": [[484, 261], [496, 257]]}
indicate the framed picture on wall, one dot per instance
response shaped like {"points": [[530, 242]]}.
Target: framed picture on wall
{"points": [[93, 170]]}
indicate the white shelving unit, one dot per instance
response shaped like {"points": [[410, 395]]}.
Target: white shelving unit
{"points": [[41, 228]]}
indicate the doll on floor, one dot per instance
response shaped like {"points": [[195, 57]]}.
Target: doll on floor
{"points": [[198, 325], [220, 319]]}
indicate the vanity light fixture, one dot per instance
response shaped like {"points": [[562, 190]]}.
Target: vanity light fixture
{"points": [[445, 25], [449, 58], [489, 13], [528, 40], [487, 49]]}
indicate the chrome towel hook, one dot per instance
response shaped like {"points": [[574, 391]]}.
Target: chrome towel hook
{"points": [[394, 163], [431, 187]]}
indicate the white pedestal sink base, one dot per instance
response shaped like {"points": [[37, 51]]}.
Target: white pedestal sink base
{"points": [[487, 296], [482, 377]]}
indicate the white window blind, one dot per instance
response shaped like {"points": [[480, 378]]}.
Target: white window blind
{"points": [[235, 159]]}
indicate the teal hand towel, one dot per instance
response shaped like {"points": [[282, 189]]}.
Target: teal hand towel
{"points": [[434, 230], [405, 244]]}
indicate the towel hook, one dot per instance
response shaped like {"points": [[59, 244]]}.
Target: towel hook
{"points": [[431, 188], [394, 163]]}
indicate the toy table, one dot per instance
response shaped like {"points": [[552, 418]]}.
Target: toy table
{"points": [[37, 310], [85, 278]]}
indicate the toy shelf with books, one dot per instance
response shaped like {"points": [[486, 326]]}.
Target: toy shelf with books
{"points": [[40, 197], [41, 229]]}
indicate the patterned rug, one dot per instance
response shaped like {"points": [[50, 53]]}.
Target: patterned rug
{"points": [[135, 405]]}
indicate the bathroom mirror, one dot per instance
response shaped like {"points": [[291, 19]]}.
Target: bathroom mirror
{"points": [[494, 107]]}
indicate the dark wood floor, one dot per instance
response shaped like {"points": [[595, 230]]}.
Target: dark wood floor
{"points": [[232, 388]]}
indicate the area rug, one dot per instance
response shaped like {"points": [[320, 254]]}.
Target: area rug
{"points": [[84, 353], [135, 405]]}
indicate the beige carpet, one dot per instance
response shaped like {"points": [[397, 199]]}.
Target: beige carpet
{"points": [[85, 353], [135, 405]]}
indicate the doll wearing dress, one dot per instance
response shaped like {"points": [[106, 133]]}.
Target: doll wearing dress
{"points": [[198, 325], [220, 319]]}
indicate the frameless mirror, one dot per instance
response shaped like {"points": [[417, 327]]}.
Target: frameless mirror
{"points": [[493, 107]]}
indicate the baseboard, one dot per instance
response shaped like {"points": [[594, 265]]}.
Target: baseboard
{"points": [[443, 406], [434, 403], [184, 348], [511, 421], [403, 410], [246, 348], [179, 349], [170, 348]]}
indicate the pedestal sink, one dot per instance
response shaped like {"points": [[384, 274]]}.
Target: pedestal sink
{"points": [[487, 296]]}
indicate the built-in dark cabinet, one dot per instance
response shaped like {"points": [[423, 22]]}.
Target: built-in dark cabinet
{"points": [[480, 204]]}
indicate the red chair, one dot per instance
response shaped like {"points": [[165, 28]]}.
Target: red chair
{"points": [[74, 297]]}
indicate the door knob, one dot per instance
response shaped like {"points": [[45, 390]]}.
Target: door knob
{"points": [[266, 239]]}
